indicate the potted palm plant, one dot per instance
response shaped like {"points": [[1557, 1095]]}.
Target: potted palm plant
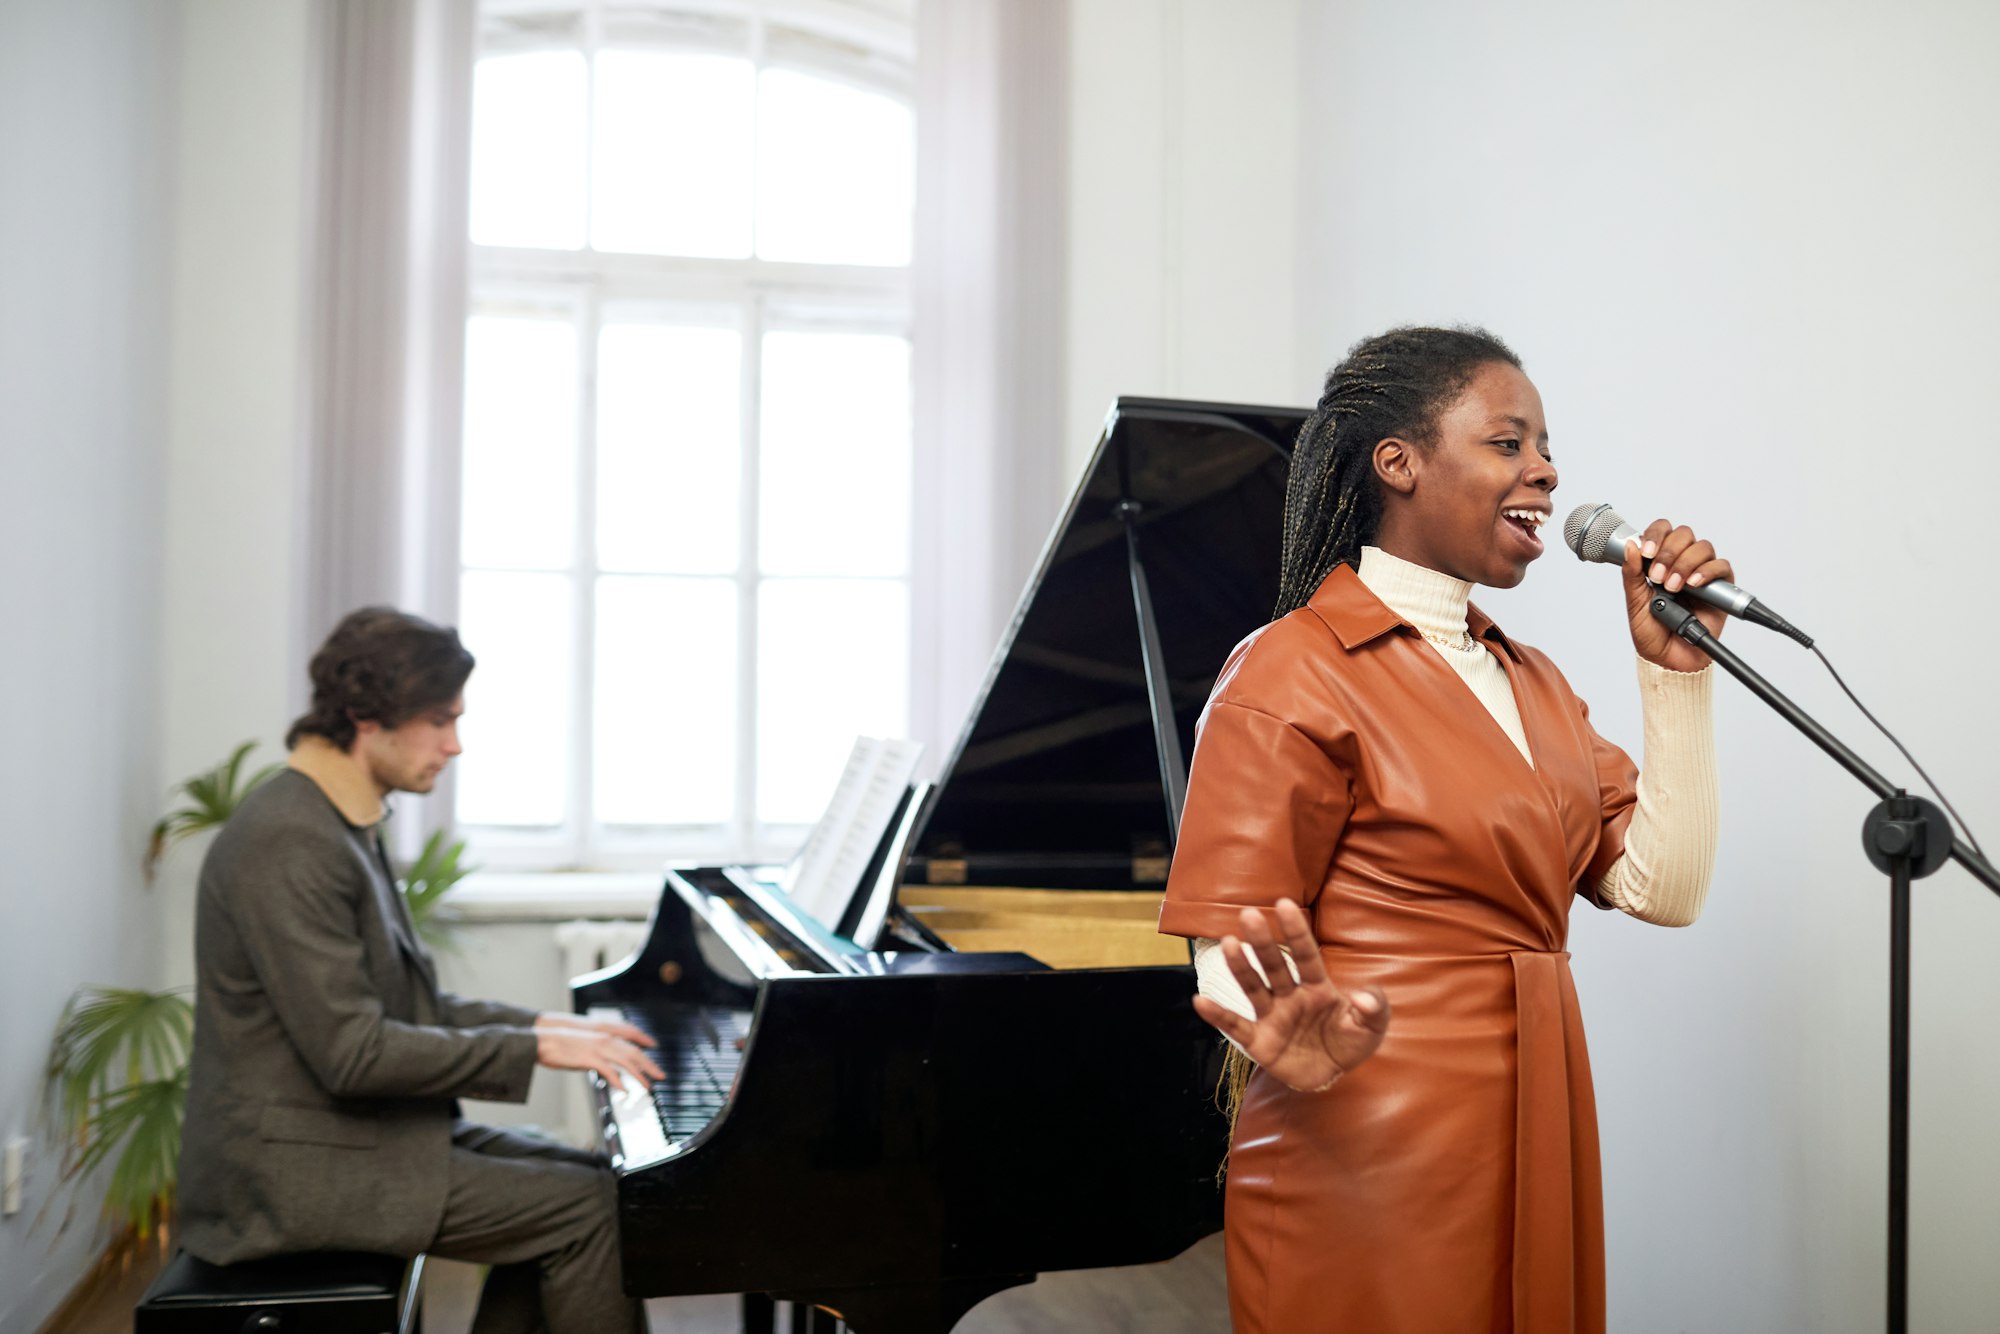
{"points": [[115, 1089]]}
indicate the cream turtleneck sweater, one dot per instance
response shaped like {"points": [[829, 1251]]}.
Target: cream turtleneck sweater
{"points": [[1669, 846]]}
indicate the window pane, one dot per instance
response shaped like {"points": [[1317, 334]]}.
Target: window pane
{"points": [[668, 448], [831, 667], [835, 167], [834, 462], [527, 150], [519, 468], [515, 770], [674, 154], [666, 701]]}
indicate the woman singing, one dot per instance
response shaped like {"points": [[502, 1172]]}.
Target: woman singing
{"points": [[1392, 801]]}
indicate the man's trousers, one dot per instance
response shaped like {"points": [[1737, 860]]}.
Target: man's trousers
{"points": [[545, 1217]]}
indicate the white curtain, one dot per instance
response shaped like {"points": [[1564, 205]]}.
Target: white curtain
{"points": [[385, 316], [990, 283], [386, 312]]}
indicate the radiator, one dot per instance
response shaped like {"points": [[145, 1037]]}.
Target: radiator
{"points": [[584, 947], [587, 946]]}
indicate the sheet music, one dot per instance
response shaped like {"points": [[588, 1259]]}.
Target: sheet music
{"points": [[876, 897], [826, 875]]}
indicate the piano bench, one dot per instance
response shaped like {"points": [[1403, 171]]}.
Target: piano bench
{"points": [[326, 1292]]}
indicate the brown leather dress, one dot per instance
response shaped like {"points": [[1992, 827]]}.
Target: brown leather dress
{"points": [[1451, 1183]]}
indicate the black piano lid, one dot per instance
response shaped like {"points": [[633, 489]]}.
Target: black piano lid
{"points": [[1057, 779]]}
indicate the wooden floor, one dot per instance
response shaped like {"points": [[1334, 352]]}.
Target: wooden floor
{"points": [[106, 1306], [1182, 1296]]}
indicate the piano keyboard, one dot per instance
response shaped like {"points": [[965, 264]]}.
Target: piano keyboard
{"points": [[700, 1048]]}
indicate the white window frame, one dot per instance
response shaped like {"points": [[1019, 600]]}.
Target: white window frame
{"points": [[869, 45]]}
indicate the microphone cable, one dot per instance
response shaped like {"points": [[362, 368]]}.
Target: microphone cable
{"points": [[1929, 782], [1593, 532]]}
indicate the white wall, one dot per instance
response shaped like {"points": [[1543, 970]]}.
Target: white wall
{"points": [[148, 364], [85, 91], [233, 596], [1746, 253], [1183, 181]]}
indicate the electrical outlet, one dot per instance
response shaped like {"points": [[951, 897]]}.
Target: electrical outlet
{"points": [[13, 1167]]}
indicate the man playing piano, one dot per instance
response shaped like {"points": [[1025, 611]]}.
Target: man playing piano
{"points": [[322, 1100]]}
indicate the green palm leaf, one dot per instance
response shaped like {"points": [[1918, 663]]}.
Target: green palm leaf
{"points": [[429, 878], [141, 1124], [110, 1036], [115, 1091], [211, 798]]}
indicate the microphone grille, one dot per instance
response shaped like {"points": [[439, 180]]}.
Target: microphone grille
{"points": [[1588, 530], [1576, 525]]}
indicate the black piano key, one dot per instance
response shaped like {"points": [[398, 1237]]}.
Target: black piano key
{"points": [[700, 1050]]}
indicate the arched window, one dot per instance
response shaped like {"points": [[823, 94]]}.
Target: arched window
{"points": [[685, 520]]}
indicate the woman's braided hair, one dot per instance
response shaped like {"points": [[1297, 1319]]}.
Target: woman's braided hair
{"points": [[380, 665], [1394, 384]]}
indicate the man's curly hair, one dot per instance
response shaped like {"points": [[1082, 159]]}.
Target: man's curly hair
{"points": [[384, 666]]}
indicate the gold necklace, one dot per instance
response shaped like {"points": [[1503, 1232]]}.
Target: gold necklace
{"points": [[1465, 643]]}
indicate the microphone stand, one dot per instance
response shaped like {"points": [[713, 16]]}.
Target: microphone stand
{"points": [[1905, 837]]}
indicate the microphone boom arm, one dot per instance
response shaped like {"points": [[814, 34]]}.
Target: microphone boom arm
{"points": [[1686, 625]]}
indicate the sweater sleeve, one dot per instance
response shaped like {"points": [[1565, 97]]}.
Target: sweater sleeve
{"points": [[1663, 875], [1213, 979]]}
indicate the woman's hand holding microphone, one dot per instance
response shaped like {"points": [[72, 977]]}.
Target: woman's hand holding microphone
{"points": [[1673, 558]]}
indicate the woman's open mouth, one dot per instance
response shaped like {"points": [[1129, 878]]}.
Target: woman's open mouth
{"points": [[1525, 523]]}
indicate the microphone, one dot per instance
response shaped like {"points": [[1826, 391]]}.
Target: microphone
{"points": [[1596, 532]]}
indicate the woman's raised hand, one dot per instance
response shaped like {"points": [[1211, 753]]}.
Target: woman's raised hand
{"points": [[1675, 559], [1307, 1032]]}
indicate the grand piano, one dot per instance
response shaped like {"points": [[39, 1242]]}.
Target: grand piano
{"points": [[989, 1066]]}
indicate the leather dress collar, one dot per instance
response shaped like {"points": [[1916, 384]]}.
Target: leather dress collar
{"points": [[1356, 616]]}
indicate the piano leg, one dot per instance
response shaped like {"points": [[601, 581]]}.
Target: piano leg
{"points": [[930, 1308], [760, 1314]]}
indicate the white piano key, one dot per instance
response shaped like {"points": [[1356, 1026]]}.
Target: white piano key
{"points": [[641, 1137]]}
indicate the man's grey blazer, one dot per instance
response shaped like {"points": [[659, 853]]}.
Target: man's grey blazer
{"points": [[326, 1061]]}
